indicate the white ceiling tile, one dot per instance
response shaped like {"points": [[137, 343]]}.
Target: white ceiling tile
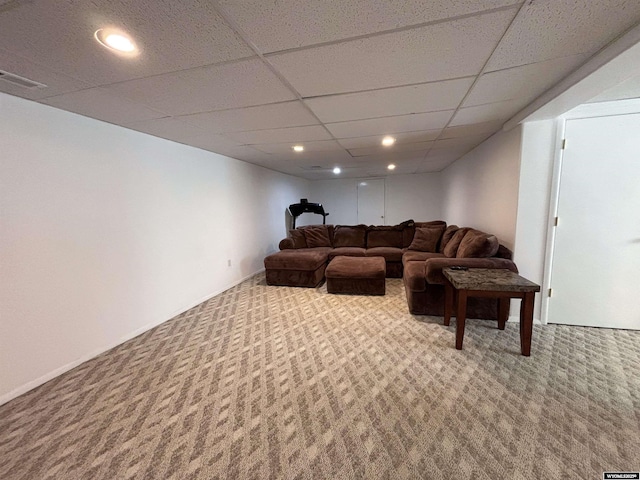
{"points": [[276, 115], [309, 147], [334, 157], [179, 131], [426, 97], [627, 89], [461, 142], [401, 138], [169, 38], [166, 127], [242, 152], [447, 50], [239, 84], [472, 129], [524, 82], [392, 157], [489, 112], [102, 105], [289, 24], [434, 166], [454, 147], [546, 29], [281, 135], [390, 125], [56, 83], [398, 147]]}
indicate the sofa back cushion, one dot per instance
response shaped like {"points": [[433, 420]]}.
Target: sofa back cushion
{"points": [[317, 236], [451, 248], [384, 236], [447, 236], [349, 236], [408, 227], [433, 223], [426, 239], [298, 238], [477, 244]]}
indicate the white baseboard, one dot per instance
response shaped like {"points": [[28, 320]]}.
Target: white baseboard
{"points": [[516, 319], [7, 397]]}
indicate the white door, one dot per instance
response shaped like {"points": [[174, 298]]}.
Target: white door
{"points": [[596, 256], [371, 202]]}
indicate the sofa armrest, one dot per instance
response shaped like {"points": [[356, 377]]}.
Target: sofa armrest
{"points": [[286, 244], [434, 266]]}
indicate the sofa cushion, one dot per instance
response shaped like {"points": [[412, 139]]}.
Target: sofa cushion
{"points": [[426, 239], [286, 243], [477, 244], [297, 259], [390, 254], [451, 248], [416, 256], [446, 237], [349, 236], [384, 236], [433, 223], [347, 252], [298, 238], [317, 236], [414, 277]]}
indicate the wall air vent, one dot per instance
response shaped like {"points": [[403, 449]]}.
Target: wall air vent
{"points": [[20, 81]]}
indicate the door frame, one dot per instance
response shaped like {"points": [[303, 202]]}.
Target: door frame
{"points": [[589, 110]]}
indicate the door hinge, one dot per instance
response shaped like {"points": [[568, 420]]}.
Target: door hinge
{"points": [[564, 143], [550, 291], [555, 222]]}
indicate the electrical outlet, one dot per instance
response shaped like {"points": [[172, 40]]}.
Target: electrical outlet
{"points": [[229, 263]]}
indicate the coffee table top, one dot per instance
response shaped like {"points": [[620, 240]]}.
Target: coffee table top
{"points": [[489, 279]]}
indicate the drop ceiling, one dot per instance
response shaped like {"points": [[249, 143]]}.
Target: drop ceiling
{"points": [[251, 78]]}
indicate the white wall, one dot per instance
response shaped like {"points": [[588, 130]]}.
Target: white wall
{"points": [[106, 232], [536, 174], [417, 196], [481, 189]]}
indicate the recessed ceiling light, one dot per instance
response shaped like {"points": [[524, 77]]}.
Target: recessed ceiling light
{"points": [[391, 166], [337, 170], [388, 141], [117, 41], [298, 148]]}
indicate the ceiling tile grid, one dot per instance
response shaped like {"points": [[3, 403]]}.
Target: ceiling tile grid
{"points": [[426, 97], [275, 115], [103, 105], [216, 87], [547, 29], [288, 24], [446, 50], [390, 125], [251, 78]]}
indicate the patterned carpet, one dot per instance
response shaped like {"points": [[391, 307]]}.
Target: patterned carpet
{"points": [[274, 382]]}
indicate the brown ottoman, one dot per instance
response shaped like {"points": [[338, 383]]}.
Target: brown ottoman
{"points": [[356, 275], [302, 267]]}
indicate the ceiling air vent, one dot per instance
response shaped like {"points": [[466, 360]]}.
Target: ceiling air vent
{"points": [[20, 81]]}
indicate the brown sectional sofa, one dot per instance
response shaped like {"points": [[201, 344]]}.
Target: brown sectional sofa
{"points": [[414, 251]]}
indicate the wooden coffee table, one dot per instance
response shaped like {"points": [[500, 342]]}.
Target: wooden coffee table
{"points": [[502, 284]]}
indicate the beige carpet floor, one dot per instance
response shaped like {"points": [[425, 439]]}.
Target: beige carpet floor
{"points": [[273, 382]]}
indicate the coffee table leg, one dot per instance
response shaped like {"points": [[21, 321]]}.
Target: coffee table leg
{"points": [[526, 323], [461, 315], [448, 301], [503, 312]]}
